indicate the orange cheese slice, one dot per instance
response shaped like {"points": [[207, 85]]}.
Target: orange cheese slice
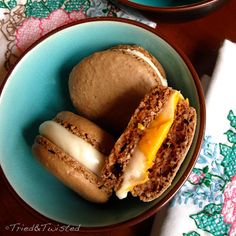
{"points": [[156, 133]]}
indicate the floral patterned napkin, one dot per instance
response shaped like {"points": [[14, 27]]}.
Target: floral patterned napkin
{"points": [[22, 22], [206, 204]]}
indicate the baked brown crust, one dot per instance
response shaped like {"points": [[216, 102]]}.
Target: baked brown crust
{"points": [[69, 170], [107, 86], [87, 130], [145, 53], [177, 143]]}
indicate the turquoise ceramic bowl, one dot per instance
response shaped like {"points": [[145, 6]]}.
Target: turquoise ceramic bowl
{"points": [[166, 3], [36, 89], [176, 9]]}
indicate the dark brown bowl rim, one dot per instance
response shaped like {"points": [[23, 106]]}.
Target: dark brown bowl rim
{"points": [[183, 178], [204, 4]]}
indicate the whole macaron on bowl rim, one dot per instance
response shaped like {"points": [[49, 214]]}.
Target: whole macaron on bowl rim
{"points": [[179, 10], [128, 32]]}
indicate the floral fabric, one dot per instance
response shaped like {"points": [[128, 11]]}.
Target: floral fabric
{"points": [[212, 186]]}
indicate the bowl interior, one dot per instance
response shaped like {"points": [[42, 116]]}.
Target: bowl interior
{"points": [[37, 89], [165, 3]]}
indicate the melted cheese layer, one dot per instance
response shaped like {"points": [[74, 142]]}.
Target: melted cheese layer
{"points": [[73, 145], [147, 148]]}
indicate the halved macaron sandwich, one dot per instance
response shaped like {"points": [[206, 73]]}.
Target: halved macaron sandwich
{"points": [[107, 86], [148, 154], [74, 150]]}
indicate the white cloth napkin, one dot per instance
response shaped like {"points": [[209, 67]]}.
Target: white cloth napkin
{"points": [[206, 204]]}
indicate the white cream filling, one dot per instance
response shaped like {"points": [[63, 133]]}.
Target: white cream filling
{"points": [[146, 59], [73, 145], [135, 171]]}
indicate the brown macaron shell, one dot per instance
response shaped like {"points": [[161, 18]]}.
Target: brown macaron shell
{"points": [[107, 86], [146, 54], [69, 170], [86, 130]]}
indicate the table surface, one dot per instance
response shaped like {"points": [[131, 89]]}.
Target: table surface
{"points": [[200, 40]]}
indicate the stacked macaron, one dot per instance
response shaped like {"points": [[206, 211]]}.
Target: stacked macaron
{"points": [[124, 90], [74, 150]]}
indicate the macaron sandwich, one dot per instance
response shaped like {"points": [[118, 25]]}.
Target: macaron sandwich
{"points": [[107, 86], [148, 154], [74, 150]]}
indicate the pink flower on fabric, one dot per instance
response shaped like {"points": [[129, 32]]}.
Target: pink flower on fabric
{"points": [[229, 206], [28, 33], [76, 15], [196, 178], [54, 20], [34, 28]]}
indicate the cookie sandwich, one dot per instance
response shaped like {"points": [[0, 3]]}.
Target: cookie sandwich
{"points": [[108, 85], [74, 150], [148, 154]]}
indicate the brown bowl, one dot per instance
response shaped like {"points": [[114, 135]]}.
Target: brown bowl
{"points": [[182, 12], [51, 201]]}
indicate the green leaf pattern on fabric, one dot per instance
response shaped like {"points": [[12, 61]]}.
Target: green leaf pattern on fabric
{"points": [[231, 136], [77, 5], [211, 220], [42, 8], [54, 4], [37, 9], [3, 5], [232, 118], [10, 4], [229, 161], [192, 233]]}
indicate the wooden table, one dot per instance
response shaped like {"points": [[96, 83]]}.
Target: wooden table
{"points": [[200, 39]]}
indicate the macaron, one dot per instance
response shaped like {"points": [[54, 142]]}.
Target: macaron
{"points": [[74, 150], [108, 85], [146, 158]]}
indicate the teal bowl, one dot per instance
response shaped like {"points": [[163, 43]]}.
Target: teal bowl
{"points": [[176, 9], [36, 89]]}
